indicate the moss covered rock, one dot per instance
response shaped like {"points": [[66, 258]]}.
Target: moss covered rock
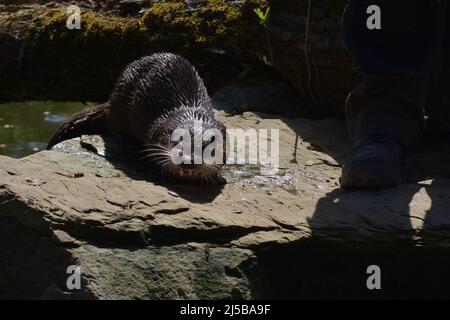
{"points": [[59, 63], [301, 41]]}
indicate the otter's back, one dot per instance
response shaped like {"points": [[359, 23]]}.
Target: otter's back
{"points": [[150, 87]]}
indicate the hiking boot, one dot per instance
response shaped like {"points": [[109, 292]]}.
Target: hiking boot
{"points": [[376, 160]]}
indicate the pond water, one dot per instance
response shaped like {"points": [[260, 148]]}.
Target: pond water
{"points": [[26, 127]]}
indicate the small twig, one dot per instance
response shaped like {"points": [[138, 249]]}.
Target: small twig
{"points": [[73, 176], [269, 43], [308, 66], [294, 160]]}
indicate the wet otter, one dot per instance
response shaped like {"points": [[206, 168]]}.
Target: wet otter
{"points": [[154, 96]]}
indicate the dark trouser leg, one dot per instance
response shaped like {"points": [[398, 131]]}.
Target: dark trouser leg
{"points": [[439, 103], [396, 63]]}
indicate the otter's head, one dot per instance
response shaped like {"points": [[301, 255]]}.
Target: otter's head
{"points": [[188, 145]]}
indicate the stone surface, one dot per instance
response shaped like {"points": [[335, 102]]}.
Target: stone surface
{"points": [[294, 234], [136, 237]]}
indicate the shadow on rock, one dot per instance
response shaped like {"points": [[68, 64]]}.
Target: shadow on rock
{"points": [[262, 91], [407, 232], [123, 157]]}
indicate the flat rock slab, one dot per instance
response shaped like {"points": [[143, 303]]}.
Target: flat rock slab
{"points": [[135, 236]]}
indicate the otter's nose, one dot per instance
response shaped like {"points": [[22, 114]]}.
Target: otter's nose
{"points": [[185, 172], [186, 159], [191, 159]]}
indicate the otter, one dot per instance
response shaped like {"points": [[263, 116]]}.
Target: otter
{"points": [[154, 96]]}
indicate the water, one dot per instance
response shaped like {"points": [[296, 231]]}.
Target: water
{"points": [[26, 127]]}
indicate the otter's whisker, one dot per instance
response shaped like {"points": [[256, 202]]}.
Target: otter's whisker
{"points": [[156, 151], [154, 156]]}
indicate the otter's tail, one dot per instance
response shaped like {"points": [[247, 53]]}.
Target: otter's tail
{"points": [[90, 121]]}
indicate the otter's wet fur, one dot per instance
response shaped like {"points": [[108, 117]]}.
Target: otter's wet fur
{"points": [[153, 96]]}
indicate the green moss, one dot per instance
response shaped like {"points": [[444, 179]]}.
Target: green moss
{"points": [[51, 26], [58, 63], [210, 23]]}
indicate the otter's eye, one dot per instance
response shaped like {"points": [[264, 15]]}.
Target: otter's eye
{"points": [[175, 143]]}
